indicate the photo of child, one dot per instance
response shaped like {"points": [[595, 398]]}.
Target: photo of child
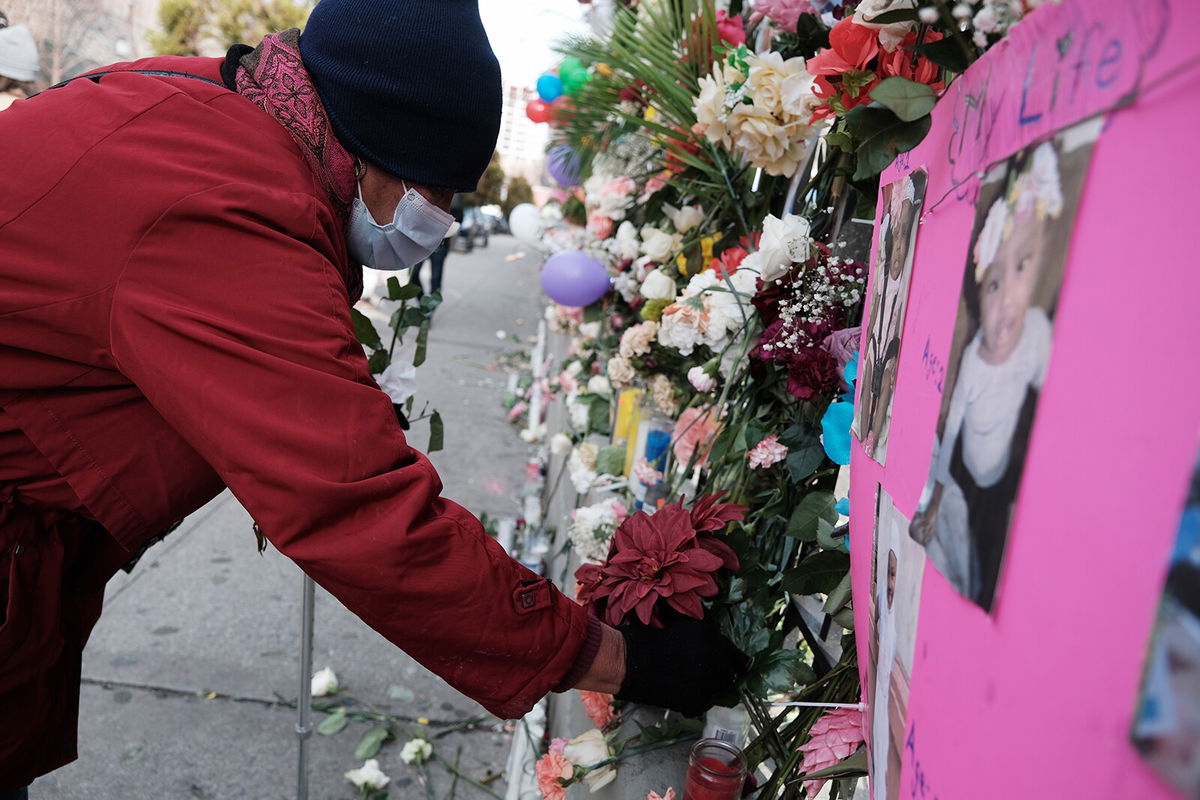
{"points": [[889, 296], [999, 358], [1166, 727], [895, 600]]}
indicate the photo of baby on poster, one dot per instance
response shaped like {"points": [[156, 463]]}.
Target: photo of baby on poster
{"points": [[891, 275], [895, 601], [1166, 727], [999, 357]]}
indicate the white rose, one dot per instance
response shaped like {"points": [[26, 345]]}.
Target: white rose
{"points": [[598, 384], [589, 330], [324, 682], [560, 444], [587, 749], [658, 286], [659, 245], [783, 242], [399, 381], [686, 218], [891, 34], [369, 776], [416, 751]]}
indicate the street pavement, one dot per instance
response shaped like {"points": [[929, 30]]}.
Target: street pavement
{"points": [[190, 678]]}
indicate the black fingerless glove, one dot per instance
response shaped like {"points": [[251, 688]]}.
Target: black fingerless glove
{"points": [[687, 666]]}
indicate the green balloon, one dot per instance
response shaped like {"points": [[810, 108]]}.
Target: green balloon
{"points": [[569, 65]]}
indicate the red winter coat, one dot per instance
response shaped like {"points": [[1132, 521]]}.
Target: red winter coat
{"points": [[174, 318]]}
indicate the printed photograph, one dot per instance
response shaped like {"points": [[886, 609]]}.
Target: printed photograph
{"points": [[1166, 728], [895, 604], [892, 274], [999, 357]]}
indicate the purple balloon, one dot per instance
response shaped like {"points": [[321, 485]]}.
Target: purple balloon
{"points": [[573, 278], [563, 165]]}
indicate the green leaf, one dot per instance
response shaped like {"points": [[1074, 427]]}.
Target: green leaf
{"points": [[379, 361], [882, 136], [429, 302], [831, 538], [598, 413], [779, 671], [402, 693], [364, 329], [334, 722], [840, 595], [406, 292], [814, 508], [852, 767], [898, 15], [436, 433], [370, 743], [820, 573], [805, 452], [412, 317], [909, 100], [947, 53], [422, 343], [610, 461]]}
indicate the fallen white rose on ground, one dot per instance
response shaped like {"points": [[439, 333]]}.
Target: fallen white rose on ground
{"points": [[324, 682], [369, 775]]}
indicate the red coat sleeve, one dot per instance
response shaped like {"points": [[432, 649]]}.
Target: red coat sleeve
{"points": [[234, 324]]}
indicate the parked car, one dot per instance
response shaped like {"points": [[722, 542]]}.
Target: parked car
{"points": [[474, 231]]}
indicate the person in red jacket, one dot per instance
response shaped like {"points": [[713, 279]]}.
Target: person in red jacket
{"points": [[149, 213]]}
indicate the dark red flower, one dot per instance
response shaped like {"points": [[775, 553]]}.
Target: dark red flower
{"points": [[660, 557], [812, 374], [709, 515]]}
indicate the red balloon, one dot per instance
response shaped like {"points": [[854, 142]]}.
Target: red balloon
{"points": [[555, 110], [537, 111]]}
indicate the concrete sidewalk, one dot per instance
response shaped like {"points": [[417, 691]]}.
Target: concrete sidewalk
{"points": [[188, 675]]}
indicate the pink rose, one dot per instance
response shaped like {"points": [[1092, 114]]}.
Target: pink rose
{"points": [[600, 225]]}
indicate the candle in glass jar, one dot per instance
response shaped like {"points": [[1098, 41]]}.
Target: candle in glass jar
{"points": [[716, 771]]}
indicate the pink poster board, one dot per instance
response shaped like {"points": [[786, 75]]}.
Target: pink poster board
{"points": [[1036, 699]]}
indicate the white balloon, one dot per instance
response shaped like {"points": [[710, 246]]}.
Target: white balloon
{"points": [[525, 222]]}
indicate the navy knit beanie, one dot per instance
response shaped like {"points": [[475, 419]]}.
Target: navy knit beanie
{"points": [[411, 86]]}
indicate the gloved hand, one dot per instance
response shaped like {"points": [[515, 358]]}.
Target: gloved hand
{"points": [[686, 666]]}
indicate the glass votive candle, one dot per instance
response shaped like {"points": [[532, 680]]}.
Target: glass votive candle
{"points": [[716, 771]]}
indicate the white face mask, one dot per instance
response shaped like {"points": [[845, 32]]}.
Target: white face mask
{"points": [[416, 230]]}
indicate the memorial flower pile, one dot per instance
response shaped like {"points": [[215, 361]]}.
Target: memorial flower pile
{"points": [[727, 163]]}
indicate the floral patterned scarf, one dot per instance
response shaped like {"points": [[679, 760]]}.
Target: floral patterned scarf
{"points": [[273, 77]]}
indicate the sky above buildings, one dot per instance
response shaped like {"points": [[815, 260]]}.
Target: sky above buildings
{"points": [[523, 33]]}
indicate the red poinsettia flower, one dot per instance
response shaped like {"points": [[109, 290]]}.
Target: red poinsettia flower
{"points": [[660, 557]]}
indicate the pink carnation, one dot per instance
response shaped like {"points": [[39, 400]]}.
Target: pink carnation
{"points": [[696, 429], [598, 706], [644, 472], [700, 380], [551, 769], [517, 410], [668, 795], [832, 739], [655, 183], [600, 225], [767, 452]]}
